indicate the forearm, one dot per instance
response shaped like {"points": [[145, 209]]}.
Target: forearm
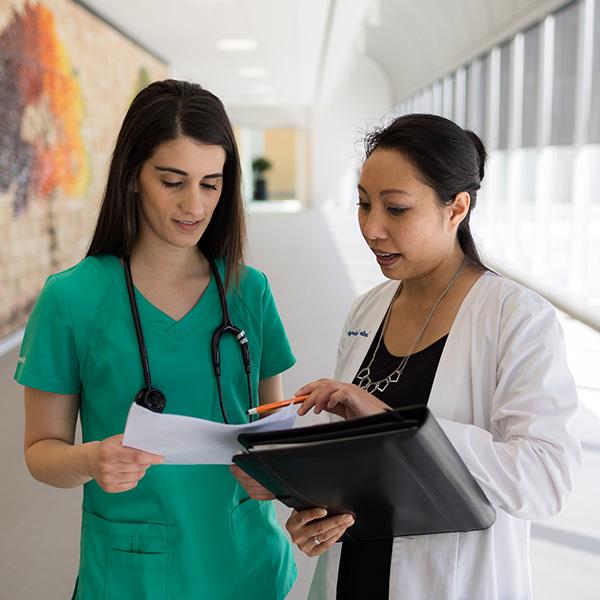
{"points": [[60, 464]]}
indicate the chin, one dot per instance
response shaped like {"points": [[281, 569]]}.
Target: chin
{"points": [[391, 274], [183, 243]]}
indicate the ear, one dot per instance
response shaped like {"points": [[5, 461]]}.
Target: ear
{"points": [[459, 209]]}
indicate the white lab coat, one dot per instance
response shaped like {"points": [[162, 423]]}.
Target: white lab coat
{"points": [[504, 396]]}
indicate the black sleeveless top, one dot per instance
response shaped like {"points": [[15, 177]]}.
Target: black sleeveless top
{"points": [[364, 570]]}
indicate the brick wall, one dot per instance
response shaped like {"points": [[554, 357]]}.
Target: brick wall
{"points": [[66, 80]]}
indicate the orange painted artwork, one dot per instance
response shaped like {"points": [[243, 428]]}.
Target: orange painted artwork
{"points": [[41, 111]]}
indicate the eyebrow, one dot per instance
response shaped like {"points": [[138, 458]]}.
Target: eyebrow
{"points": [[386, 192], [180, 172], [394, 191]]}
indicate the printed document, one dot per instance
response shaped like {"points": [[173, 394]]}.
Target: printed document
{"points": [[191, 441]]}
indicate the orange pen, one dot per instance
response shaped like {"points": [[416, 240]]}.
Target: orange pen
{"points": [[263, 408]]}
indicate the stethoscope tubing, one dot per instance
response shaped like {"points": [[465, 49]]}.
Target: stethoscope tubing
{"points": [[154, 399]]}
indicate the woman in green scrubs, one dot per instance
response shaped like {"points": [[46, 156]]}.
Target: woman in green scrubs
{"points": [[152, 531]]}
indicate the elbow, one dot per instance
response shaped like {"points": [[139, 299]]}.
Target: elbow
{"points": [[29, 455], [540, 487], [544, 499], [538, 508]]}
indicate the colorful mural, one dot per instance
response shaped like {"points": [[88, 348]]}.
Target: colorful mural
{"points": [[41, 111]]}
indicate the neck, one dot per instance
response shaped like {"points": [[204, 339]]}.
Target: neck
{"points": [[167, 263], [426, 287]]}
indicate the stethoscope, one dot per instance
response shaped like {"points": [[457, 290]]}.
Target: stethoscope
{"points": [[152, 398]]}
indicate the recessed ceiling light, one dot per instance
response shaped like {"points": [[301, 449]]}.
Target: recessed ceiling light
{"points": [[237, 44], [253, 72]]}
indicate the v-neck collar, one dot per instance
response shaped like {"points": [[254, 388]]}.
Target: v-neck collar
{"points": [[207, 305]]}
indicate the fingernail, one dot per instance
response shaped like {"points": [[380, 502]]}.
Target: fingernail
{"points": [[322, 512]]}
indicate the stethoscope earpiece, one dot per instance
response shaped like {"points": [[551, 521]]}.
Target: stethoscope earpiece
{"points": [[152, 399]]}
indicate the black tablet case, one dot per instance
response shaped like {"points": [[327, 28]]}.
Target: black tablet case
{"points": [[396, 472]]}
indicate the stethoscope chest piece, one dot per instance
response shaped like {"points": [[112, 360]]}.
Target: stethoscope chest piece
{"points": [[152, 399]]}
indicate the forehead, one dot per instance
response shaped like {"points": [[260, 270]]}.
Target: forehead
{"points": [[189, 155], [388, 165]]}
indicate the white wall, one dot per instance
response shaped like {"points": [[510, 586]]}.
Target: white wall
{"points": [[361, 98]]}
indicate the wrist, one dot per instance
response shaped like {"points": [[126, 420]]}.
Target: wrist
{"points": [[88, 459]]}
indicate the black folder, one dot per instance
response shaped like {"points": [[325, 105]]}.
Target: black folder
{"points": [[396, 472]]}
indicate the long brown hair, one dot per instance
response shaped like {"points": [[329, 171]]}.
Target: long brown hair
{"points": [[159, 113]]}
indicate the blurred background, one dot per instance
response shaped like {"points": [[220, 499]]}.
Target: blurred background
{"points": [[302, 81]]}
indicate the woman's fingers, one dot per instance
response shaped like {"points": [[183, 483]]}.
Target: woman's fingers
{"points": [[137, 457], [300, 518], [319, 392], [309, 387], [253, 488], [325, 541], [313, 533], [117, 468], [313, 389]]}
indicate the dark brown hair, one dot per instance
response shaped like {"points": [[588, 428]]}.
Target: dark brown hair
{"points": [[159, 113], [449, 159]]}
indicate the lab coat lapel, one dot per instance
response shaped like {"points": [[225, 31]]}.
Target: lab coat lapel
{"points": [[362, 328], [445, 400]]}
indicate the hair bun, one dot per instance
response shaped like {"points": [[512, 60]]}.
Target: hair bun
{"points": [[481, 153]]}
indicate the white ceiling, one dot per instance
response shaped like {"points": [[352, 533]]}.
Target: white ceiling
{"points": [[305, 45], [290, 36], [415, 46]]}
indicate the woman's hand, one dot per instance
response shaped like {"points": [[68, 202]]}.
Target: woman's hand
{"points": [[117, 468], [313, 533], [343, 399], [254, 489]]}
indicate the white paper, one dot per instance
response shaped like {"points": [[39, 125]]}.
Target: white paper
{"points": [[191, 441]]}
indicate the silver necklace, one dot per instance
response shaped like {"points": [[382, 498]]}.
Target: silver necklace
{"points": [[363, 377]]}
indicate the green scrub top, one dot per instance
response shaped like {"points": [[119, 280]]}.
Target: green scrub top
{"points": [[185, 532]]}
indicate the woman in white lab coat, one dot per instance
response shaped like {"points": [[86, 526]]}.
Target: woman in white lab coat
{"points": [[486, 356]]}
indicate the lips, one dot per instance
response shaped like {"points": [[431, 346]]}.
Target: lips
{"points": [[386, 259], [187, 225]]}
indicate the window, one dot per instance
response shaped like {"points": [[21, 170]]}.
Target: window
{"points": [[593, 125], [531, 83], [566, 28], [506, 57], [448, 97], [477, 96]]}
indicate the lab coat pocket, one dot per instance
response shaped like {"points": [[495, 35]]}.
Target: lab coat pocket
{"points": [[123, 561]]}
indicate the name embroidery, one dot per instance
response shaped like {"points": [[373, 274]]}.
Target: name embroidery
{"points": [[355, 332]]}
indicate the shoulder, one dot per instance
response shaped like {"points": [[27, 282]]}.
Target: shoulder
{"points": [[251, 293], [501, 293], [84, 271], [82, 284], [252, 280], [503, 303]]}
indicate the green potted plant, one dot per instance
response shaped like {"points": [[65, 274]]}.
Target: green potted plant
{"points": [[260, 165]]}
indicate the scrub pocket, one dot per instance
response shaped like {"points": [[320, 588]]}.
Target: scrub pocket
{"points": [[123, 561], [265, 565]]}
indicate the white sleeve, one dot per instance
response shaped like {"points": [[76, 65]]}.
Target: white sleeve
{"points": [[527, 463]]}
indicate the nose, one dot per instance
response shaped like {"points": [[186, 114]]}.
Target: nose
{"points": [[193, 203], [373, 225]]}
